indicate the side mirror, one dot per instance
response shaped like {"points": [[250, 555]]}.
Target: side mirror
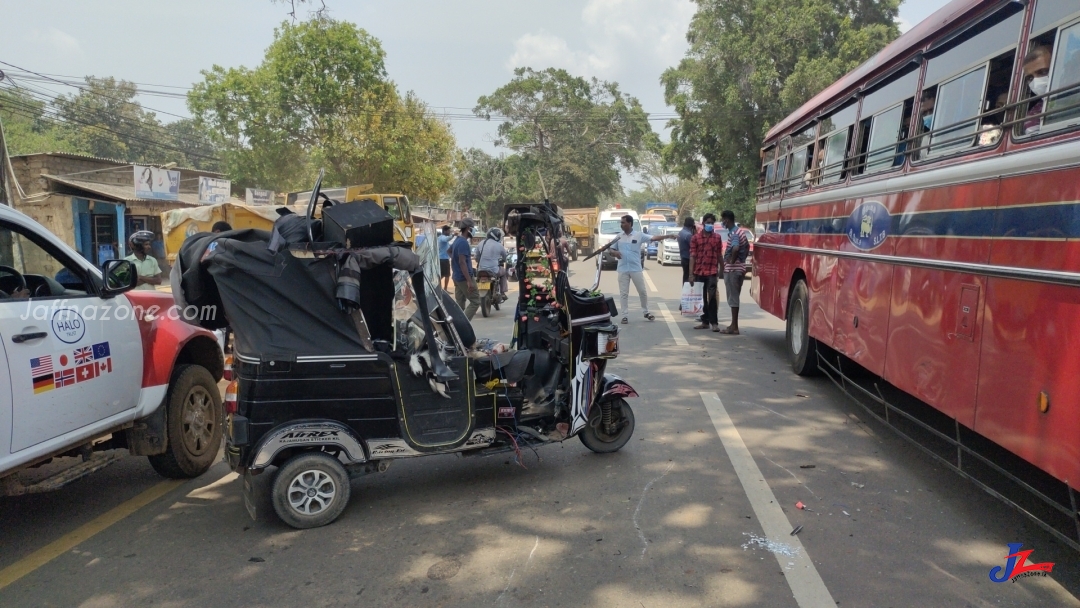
{"points": [[119, 276]]}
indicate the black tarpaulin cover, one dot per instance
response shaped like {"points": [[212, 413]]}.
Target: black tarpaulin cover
{"points": [[280, 306]]}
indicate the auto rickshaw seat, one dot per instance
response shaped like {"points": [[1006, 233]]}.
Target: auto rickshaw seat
{"points": [[512, 366]]}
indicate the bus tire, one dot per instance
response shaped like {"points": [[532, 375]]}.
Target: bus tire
{"points": [[802, 349]]}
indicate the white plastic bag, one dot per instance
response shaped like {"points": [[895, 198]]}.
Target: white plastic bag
{"points": [[692, 304]]}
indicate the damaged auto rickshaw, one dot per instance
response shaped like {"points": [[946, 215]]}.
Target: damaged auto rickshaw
{"points": [[348, 355]]}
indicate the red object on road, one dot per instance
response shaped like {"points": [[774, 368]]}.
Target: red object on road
{"points": [[799, 505]]}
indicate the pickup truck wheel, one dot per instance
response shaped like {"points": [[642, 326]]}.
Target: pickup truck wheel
{"points": [[311, 490], [193, 424]]}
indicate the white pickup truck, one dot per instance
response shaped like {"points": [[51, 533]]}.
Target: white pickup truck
{"points": [[88, 364]]}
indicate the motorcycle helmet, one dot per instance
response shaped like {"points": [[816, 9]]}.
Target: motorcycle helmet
{"points": [[495, 234], [141, 237]]}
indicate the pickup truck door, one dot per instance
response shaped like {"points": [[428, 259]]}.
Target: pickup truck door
{"points": [[73, 358]]}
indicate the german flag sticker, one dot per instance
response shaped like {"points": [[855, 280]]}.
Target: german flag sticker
{"points": [[43, 383]]}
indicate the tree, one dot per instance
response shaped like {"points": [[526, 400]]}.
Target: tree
{"points": [[195, 147], [485, 184], [660, 185], [578, 133], [752, 62], [105, 120], [29, 129], [321, 99]]}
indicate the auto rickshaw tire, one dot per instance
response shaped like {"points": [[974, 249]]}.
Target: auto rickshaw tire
{"points": [[606, 444], [193, 426], [310, 479], [461, 322]]}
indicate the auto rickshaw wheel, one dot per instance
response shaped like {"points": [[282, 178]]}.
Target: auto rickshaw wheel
{"points": [[310, 490], [597, 435]]}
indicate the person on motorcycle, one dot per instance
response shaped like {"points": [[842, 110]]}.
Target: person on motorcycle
{"points": [[491, 258]]}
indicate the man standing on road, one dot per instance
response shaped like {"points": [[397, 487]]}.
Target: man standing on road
{"points": [[705, 249], [626, 248], [738, 247], [444, 257], [464, 283], [687, 233]]}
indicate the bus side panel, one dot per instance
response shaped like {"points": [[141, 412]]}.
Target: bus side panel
{"points": [[1032, 330], [933, 345], [1031, 343], [934, 336], [861, 318], [763, 278]]}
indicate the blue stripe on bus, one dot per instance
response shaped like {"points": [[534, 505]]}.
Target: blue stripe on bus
{"points": [[1029, 221]]}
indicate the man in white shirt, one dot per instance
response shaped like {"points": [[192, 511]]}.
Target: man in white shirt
{"points": [[145, 265], [626, 247]]}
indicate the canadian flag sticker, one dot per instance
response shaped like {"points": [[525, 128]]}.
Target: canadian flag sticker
{"points": [[104, 366]]}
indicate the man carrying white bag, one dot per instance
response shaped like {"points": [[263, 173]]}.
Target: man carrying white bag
{"points": [[692, 304], [705, 250]]}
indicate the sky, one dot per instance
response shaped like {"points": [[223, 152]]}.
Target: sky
{"points": [[448, 52]]}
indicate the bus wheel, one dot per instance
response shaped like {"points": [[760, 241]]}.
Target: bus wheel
{"points": [[802, 349]]}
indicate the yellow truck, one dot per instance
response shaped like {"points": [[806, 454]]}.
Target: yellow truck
{"points": [[178, 224], [397, 205], [581, 222]]}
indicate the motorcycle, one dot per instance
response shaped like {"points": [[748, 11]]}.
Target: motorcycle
{"points": [[358, 378], [490, 293]]}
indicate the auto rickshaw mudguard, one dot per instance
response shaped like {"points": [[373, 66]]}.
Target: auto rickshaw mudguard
{"points": [[307, 434]]}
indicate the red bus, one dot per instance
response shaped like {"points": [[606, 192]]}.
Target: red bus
{"points": [[921, 219]]}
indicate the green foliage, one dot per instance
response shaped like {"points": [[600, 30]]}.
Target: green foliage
{"points": [[578, 133], [321, 99], [661, 185], [28, 129], [751, 63], [486, 184]]}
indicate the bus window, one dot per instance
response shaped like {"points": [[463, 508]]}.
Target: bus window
{"points": [[883, 115], [1052, 13], [836, 133], [957, 101], [1066, 73], [798, 176]]}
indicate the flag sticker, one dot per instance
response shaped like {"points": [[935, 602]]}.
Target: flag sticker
{"points": [[101, 350], [84, 355], [41, 365], [65, 377], [86, 372], [43, 383], [104, 366]]}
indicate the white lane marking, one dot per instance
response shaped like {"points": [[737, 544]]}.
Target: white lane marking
{"points": [[676, 333], [803, 577], [648, 281]]}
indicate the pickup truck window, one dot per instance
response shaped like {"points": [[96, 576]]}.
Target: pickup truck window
{"points": [[35, 263]]}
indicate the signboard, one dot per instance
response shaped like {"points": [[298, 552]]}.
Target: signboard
{"points": [[259, 197], [155, 183], [213, 190]]}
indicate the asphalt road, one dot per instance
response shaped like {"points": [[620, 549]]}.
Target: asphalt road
{"points": [[695, 511]]}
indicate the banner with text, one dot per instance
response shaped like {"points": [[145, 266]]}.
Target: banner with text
{"points": [[213, 190], [259, 197]]}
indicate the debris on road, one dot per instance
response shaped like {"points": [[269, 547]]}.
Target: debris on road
{"points": [[807, 466], [858, 485], [796, 530]]}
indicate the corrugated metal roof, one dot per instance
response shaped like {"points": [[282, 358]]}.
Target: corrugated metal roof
{"points": [[903, 46], [114, 161], [121, 193]]}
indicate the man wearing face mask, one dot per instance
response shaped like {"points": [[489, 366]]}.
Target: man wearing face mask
{"points": [[1037, 79], [705, 249]]}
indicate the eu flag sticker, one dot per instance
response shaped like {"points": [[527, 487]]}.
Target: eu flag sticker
{"points": [[101, 350]]}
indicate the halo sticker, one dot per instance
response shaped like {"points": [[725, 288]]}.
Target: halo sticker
{"points": [[868, 225], [68, 325]]}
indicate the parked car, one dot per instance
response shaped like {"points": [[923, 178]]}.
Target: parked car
{"points": [[93, 366], [669, 250], [658, 228]]}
